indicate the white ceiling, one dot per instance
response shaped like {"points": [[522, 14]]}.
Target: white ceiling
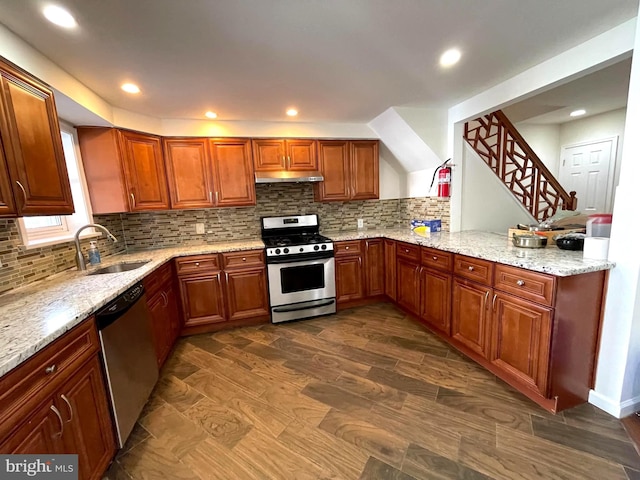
{"points": [[335, 60], [598, 92]]}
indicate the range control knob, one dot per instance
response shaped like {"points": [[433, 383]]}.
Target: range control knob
{"points": [[316, 247], [324, 247], [302, 249], [277, 251], [286, 250]]}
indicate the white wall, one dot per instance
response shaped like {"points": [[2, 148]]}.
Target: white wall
{"points": [[545, 141], [487, 204], [431, 126], [598, 127]]}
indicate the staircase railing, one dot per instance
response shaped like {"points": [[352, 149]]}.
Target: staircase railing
{"points": [[503, 149]]}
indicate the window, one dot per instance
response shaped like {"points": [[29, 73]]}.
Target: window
{"points": [[49, 230]]}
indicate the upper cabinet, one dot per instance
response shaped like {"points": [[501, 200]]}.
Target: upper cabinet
{"points": [[32, 165], [125, 170], [350, 170], [210, 172], [280, 154]]}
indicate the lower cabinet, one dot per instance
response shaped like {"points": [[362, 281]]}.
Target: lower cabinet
{"points": [[56, 402], [374, 267], [360, 272], [470, 322], [349, 278], [220, 289], [435, 299], [390, 269], [521, 340], [165, 321], [408, 281]]}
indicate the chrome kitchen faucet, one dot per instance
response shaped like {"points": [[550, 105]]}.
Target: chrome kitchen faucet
{"points": [[82, 265]]}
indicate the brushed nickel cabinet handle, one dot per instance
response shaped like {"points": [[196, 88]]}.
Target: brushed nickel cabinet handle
{"points": [[486, 297], [217, 196], [57, 412], [66, 400], [165, 298], [210, 196], [24, 192], [471, 268], [520, 283], [50, 369], [133, 200], [493, 302]]}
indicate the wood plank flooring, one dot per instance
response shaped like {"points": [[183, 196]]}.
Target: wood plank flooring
{"points": [[364, 394]]}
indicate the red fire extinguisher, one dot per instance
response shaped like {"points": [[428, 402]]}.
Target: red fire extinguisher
{"points": [[444, 179]]}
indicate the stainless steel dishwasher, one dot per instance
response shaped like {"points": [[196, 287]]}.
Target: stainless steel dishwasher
{"points": [[128, 355]]}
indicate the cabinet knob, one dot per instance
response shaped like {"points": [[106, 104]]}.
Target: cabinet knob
{"points": [[197, 264], [471, 268], [244, 259], [406, 250], [346, 248], [51, 368], [520, 283], [435, 258]]}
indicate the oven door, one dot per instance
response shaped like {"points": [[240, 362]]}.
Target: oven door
{"points": [[301, 281]]}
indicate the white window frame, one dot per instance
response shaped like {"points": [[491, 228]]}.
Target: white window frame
{"points": [[53, 235]]}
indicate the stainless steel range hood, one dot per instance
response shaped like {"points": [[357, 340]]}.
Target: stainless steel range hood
{"points": [[281, 176]]}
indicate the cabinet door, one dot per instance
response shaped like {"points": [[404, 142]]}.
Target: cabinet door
{"points": [[173, 312], [435, 301], [408, 285], [189, 172], [202, 299], [39, 434], [333, 160], [470, 316], [365, 162], [521, 340], [33, 146], [349, 279], [160, 326], [88, 428], [374, 272], [390, 270], [233, 172], [302, 155], [7, 204], [145, 173], [247, 293], [269, 155]]}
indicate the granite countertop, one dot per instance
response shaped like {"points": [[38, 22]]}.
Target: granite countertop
{"points": [[489, 246], [33, 316]]}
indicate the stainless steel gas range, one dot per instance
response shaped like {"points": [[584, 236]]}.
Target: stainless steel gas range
{"points": [[300, 266]]}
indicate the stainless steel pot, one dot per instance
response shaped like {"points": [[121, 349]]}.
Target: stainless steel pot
{"points": [[530, 240], [534, 228]]}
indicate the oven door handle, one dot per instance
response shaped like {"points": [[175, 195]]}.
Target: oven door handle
{"points": [[307, 307]]}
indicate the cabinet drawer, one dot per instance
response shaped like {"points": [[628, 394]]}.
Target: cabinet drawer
{"points": [[25, 386], [533, 286], [197, 263], [437, 259], [473, 269], [239, 260], [408, 251], [155, 281], [352, 247]]}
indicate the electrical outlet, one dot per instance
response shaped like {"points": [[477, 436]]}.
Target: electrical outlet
{"points": [[360, 223], [199, 228]]}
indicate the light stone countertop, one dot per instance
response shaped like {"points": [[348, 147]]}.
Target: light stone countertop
{"points": [[33, 316]]}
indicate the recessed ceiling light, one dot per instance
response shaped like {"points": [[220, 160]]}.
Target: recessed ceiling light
{"points": [[292, 112], [59, 16], [211, 114], [577, 113], [450, 57], [130, 88]]}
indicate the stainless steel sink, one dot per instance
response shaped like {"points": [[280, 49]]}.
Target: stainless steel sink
{"points": [[119, 267]]}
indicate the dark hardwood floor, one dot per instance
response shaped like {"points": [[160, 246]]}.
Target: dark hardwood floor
{"points": [[365, 394]]}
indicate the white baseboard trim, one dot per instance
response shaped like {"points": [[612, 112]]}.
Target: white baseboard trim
{"points": [[612, 407]]}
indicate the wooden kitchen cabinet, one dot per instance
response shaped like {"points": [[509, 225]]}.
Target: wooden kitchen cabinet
{"points": [[374, 267], [31, 148], [293, 154], [125, 170], [202, 299], [349, 278], [435, 299], [470, 319], [164, 310], [390, 268], [408, 293], [189, 172], [233, 175], [247, 293], [521, 340], [350, 170], [56, 402]]}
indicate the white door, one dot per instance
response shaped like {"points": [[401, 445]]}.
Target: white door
{"points": [[587, 169]]}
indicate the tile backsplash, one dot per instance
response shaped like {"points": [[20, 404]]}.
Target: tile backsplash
{"points": [[136, 231]]}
